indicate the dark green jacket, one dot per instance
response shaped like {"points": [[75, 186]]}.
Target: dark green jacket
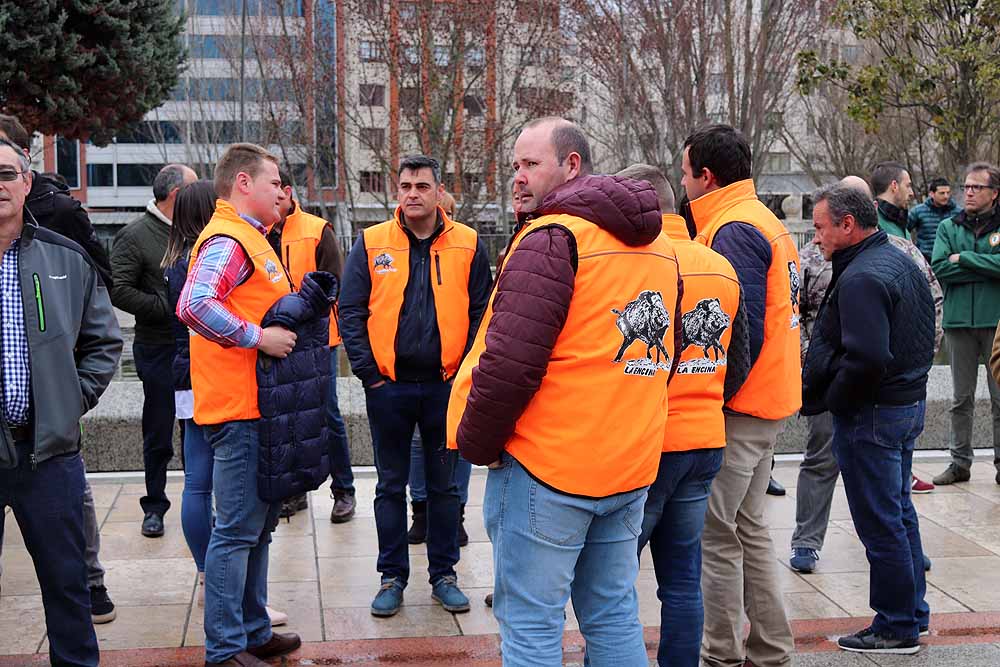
{"points": [[925, 218], [138, 285], [972, 285]]}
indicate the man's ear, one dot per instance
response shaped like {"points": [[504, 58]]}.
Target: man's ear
{"points": [[574, 162]]}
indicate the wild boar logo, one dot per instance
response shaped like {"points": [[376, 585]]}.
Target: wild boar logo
{"points": [[383, 263], [793, 278], [645, 319], [703, 327], [273, 274]]}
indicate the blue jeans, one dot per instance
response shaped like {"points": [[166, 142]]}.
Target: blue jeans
{"points": [[418, 486], [196, 510], [874, 448], [47, 504], [394, 410], [153, 366], [549, 547], [672, 524], [340, 450], [236, 563]]}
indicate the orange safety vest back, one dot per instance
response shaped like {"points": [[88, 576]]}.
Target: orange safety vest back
{"points": [[300, 236], [452, 252], [774, 388], [224, 379], [709, 305], [595, 426]]}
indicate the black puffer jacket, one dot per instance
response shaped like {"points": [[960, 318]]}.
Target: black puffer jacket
{"points": [[873, 341], [292, 393], [56, 210]]}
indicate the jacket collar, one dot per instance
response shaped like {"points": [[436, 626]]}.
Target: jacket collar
{"points": [[157, 213], [950, 206], [845, 256], [710, 207], [444, 223], [675, 227], [892, 213], [984, 223], [226, 211]]}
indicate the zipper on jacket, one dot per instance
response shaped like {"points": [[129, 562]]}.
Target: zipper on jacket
{"points": [[288, 265], [437, 265], [39, 303]]}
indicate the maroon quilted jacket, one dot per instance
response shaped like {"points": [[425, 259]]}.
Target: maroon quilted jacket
{"points": [[532, 301]]}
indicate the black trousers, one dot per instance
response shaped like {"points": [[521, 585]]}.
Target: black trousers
{"points": [[153, 364]]}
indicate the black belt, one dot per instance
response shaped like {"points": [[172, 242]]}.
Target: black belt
{"points": [[22, 433]]}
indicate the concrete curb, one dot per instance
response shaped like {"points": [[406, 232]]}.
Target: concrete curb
{"points": [[811, 636]]}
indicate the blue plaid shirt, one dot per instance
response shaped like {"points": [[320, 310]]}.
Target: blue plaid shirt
{"points": [[16, 364]]}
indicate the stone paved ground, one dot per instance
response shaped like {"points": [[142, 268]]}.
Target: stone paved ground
{"points": [[324, 575]]}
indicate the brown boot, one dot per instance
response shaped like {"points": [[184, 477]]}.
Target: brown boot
{"points": [[278, 644], [239, 660], [343, 507]]}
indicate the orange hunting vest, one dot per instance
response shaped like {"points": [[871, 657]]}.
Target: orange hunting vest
{"points": [[595, 426], [709, 304], [452, 251], [774, 388], [300, 237], [224, 379]]}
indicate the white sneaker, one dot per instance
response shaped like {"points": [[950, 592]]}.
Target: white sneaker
{"points": [[277, 617]]}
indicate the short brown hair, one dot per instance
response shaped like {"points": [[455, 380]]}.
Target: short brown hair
{"points": [[12, 127], [655, 177], [238, 158]]}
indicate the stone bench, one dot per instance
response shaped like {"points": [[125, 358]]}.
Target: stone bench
{"points": [[113, 439]]}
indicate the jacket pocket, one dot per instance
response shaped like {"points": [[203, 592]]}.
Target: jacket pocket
{"points": [[39, 301], [8, 453]]}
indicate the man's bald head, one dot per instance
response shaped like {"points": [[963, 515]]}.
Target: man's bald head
{"points": [[566, 138], [859, 184]]}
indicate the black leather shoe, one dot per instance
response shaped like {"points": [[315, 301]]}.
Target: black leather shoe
{"points": [[775, 489], [239, 660], [152, 525]]}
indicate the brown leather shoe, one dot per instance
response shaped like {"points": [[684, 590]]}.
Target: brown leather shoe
{"points": [[279, 644], [343, 507], [239, 660]]}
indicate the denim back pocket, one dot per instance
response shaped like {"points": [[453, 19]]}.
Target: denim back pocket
{"points": [[892, 425], [555, 517]]}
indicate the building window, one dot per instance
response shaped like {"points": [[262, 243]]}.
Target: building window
{"points": [[373, 138], [442, 56], [137, 175], [407, 11], [372, 95], [409, 100], [371, 51], [475, 105], [475, 57], [208, 46], [68, 160], [777, 163], [100, 175], [208, 7], [472, 184], [411, 54], [372, 181]]}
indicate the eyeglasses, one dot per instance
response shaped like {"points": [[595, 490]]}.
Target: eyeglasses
{"points": [[10, 174], [975, 187]]}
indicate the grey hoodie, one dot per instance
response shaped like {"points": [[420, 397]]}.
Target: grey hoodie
{"points": [[73, 340]]}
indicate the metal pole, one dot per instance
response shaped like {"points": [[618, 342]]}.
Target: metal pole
{"points": [[624, 104], [243, 56]]}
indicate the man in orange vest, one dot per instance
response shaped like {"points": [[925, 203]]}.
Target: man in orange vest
{"points": [[414, 290], [307, 243], [713, 363], [739, 565], [234, 280], [564, 395]]}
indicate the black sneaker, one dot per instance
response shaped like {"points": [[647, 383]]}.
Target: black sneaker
{"points": [[102, 609], [774, 488], [867, 641], [292, 505]]}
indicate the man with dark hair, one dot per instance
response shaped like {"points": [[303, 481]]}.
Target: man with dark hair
{"points": [[924, 218], [54, 208], [966, 260], [414, 290], [307, 243], [139, 289], [867, 364], [893, 191], [739, 564], [60, 348]]}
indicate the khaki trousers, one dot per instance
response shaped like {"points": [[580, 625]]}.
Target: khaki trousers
{"points": [[739, 567]]}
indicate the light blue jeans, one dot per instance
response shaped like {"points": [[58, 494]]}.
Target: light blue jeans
{"points": [[236, 562], [549, 547]]}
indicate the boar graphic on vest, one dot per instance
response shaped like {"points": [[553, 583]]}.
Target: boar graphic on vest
{"points": [[383, 263], [793, 275], [644, 319], [703, 326]]}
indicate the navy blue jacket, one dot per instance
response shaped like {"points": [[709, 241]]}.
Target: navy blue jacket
{"points": [[873, 341], [418, 341], [292, 393], [175, 277], [750, 254]]}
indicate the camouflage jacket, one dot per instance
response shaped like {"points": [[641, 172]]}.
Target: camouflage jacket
{"points": [[817, 272]]}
